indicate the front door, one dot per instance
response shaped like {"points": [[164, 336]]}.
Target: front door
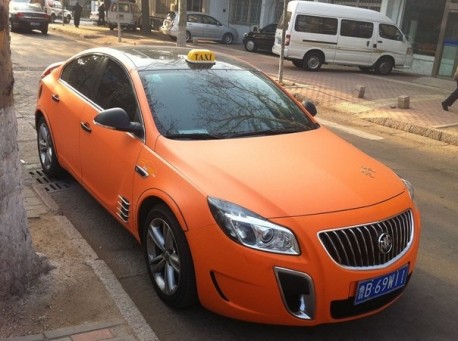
{"points": [[108, 157]]}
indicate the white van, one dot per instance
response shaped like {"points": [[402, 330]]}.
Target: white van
{"points": [[321, 33], [130, 15]]}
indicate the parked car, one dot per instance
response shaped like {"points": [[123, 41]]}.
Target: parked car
{"points": [[239, 197], [130, 15], [94, 17], [262, 39], [25, 15], [55, 10], [201, 26]]}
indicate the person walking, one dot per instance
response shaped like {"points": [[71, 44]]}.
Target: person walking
{"points": [[102, 14], [77, 9], [453, 96]]}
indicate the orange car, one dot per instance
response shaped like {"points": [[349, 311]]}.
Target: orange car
{"points": [[239, 198]]}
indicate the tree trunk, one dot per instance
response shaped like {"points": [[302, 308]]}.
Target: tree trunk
{"points": [[19, 264], [181, 37]]}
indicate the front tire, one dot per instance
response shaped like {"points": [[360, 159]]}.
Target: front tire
{"points": [[168, 258], [46, 150], [384, 66], [228, 38], [250, 46]]}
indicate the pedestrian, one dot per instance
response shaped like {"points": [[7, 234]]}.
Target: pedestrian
{"points": [[453, 96], [77, 9], [102, 14]]}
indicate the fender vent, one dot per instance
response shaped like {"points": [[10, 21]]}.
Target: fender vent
{"points": [[123, 209]]}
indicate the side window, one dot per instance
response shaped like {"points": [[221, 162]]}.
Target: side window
{"points": [[209, 20], [312, 24], [80, 73], [193, 18], [390, 32], [356, 29], [115, 91]]}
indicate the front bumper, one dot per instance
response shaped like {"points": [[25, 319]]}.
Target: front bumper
{"points": [[303, 290]]}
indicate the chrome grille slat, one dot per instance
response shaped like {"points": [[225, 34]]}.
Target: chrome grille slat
{"points": [[358, 246]]}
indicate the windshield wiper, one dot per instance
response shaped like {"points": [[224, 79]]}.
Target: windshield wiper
{"points": [[268, 132], [193, 136]]}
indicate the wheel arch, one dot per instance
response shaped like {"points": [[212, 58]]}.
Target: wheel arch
{"points": [[151, 200], [318, 51]]}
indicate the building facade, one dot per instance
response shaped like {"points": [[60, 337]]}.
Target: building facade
{"points": [[430, 25]]}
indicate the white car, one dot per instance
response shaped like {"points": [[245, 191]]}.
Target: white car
{"points": [[55, 10], [199, 25]]}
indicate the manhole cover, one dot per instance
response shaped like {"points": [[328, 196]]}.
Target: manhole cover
{"points": [[50, 185]]}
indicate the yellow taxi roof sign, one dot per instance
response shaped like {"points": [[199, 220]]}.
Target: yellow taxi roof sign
{"points": [[201, 56]]}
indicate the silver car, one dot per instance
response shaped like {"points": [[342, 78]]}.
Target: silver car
{"points": [[199, 25]]}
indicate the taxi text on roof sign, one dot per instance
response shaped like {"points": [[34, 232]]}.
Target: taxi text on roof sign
{"points": [[201, 56]]}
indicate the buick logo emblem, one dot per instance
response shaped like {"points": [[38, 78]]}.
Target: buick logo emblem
{"points": [[385, 243]]}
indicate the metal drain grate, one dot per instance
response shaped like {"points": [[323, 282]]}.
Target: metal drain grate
{"points": [[50, 185]]}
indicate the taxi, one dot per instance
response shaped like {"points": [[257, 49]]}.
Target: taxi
{"points": [[240, 199]]}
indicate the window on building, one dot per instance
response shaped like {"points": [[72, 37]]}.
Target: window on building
{"points": [[370, 4], [312, 24], [245, 12], [195, 5], [422, 24]]}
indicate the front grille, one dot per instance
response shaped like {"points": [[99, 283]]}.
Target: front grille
{"points": [[371, 245]]}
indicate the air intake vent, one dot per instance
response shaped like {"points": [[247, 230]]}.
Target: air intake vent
{"points": [[123, 209]]}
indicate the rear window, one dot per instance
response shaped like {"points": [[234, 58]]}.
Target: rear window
{"points": [[191, 104], [313, 24]]}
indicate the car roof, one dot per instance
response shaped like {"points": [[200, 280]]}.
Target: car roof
{"points": [[144, 57]]}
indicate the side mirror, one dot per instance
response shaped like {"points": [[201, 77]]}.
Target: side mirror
{"points": [[117, 119], [310, 107]]}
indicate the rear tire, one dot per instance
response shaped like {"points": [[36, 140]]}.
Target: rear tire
{"points": [[313, 61], [46, 151]]}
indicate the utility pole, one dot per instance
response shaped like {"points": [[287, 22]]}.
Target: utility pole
{"points": [[284, 25]]}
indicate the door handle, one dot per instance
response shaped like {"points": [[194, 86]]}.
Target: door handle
{"points": [[55, 98], [86, 127], [142, 171]]}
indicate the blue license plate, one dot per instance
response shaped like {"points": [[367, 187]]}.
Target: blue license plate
{"points": [[376, 287]]}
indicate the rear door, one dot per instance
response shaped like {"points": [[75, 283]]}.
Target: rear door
{"points": [[194, 25], [355, 44], [68, 100]]}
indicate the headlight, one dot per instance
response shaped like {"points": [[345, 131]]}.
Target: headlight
{"points": [[409, 188], [249, 229]]}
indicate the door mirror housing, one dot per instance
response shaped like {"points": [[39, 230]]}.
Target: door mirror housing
{"points": [[117, 119]]}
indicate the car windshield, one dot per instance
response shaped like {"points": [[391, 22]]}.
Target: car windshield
{"points": [[210, 104]]}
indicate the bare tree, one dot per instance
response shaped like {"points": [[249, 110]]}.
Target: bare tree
{"points": [[181, 37], [19, 263]]}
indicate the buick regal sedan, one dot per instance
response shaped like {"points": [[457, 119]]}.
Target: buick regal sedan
{"points": [[27, 16], [239, 198]]}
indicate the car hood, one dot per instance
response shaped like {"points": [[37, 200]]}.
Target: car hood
{"points": [[284, 175]]}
